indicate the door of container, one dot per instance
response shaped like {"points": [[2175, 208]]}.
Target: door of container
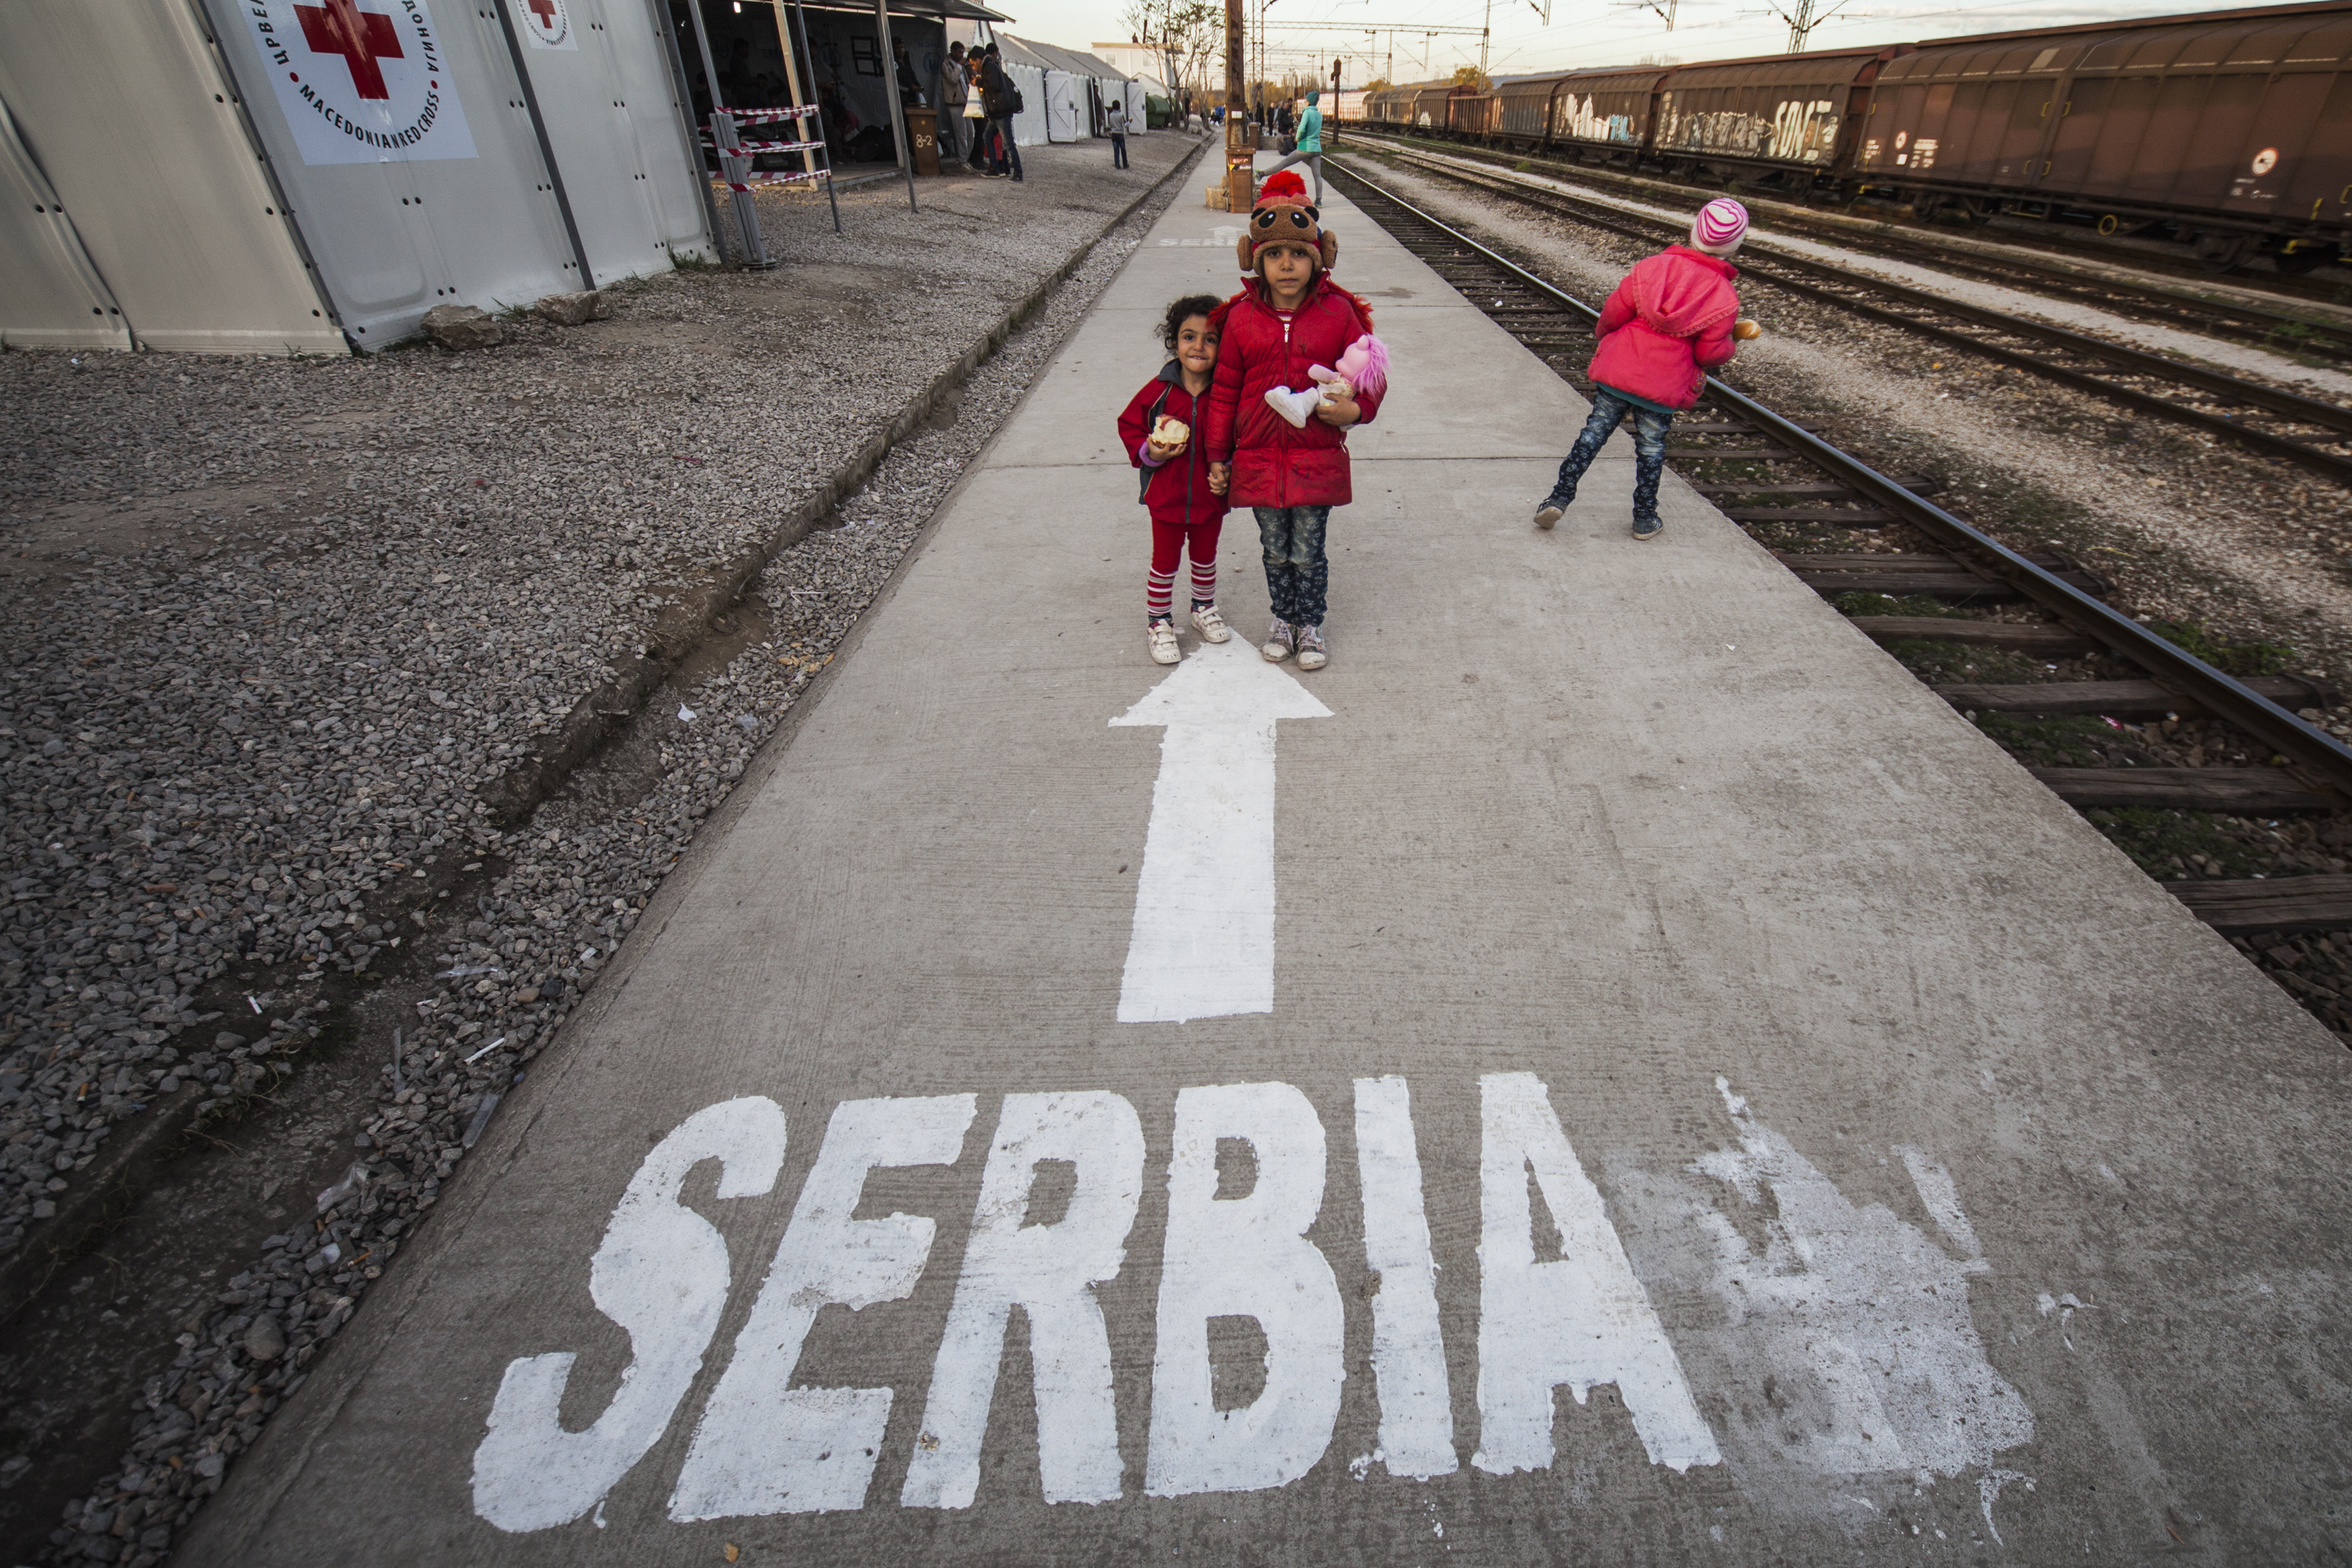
{"points": [[2082, 107], [2271, 146], [598, 72], [1061, 107]]}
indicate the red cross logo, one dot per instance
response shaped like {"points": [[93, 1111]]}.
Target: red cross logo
{"points": [[545, 11], [362, 37]]}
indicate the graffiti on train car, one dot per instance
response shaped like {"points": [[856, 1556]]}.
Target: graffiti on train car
{"points": [[1583, 119], [1800, 131], [1700, 1271]]}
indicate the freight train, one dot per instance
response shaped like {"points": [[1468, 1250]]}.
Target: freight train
{"points": [[2230, 130]]}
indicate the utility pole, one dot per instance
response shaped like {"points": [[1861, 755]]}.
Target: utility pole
{"points": [[1484, 31], [1241, 138]]}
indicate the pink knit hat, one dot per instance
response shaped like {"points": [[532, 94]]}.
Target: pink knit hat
{"points": [[1719, 226]]}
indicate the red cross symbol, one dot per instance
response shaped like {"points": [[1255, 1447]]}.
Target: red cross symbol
{"points": [[362, 37], [545, 11]]}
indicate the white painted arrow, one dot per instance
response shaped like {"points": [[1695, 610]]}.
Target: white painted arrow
{"points": [[1203, 945]]}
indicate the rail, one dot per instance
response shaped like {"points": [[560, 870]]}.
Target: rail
{"points": [[2222, 695]]}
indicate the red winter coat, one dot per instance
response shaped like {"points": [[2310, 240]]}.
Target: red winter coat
{"points": [[1275, 464], [1178, 490], [1666, 325]]}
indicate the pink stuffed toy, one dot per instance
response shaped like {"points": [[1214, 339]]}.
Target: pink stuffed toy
{"points": [[1363, 367]]}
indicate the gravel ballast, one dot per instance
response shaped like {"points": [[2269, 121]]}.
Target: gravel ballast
{"points": [[289, 619]]}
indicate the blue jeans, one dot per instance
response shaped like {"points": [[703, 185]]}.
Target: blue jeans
{"points": [[1650, 428], [1291, 538], [1117, 151]]}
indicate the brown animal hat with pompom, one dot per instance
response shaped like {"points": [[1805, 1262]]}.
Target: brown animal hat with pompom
{"points": [[1283, 215]]}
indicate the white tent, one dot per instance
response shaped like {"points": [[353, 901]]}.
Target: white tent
{"points": [[1092, 84], [1135, 119], [1029, 125], [234, 176]]}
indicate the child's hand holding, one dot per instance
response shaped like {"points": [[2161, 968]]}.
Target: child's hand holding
{"points": [[1169, 438], [1338, 406], [1220, 476]]}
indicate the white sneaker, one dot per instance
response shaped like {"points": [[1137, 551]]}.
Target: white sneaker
{"points": [[1162, 638], [1278, 642], [1294, 406], [1211, 625], [1312, 654]]}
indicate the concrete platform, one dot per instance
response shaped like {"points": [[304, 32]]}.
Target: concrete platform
{"points": [[1670, 1005]]}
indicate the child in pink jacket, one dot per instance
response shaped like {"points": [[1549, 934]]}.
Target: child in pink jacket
{"points": [[1663, 328]]}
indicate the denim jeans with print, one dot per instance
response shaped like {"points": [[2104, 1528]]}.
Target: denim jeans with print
{"points": [[1291, 537], [1649, 429]]}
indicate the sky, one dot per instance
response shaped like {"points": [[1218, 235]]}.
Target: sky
{"points": [[1582, 33]]}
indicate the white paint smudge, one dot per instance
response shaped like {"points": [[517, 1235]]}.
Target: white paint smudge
{"points": [[1988, 1487], [1847, 1347]]}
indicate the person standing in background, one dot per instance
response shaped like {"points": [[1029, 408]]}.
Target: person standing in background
{"points": [[996, 96], [1115, 124], [910, 86], [954, 92], [1308, 148]]}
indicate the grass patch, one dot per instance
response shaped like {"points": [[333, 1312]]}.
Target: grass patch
{"points": [[2230, 657], [1950, 663], [1888, 604], [2068, 741], [2164, 843]]}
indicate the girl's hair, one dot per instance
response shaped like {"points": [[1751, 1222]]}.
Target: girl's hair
{"points": [[1184, 311]]}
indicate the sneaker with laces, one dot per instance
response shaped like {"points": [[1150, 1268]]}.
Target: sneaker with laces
{"points": [[1312, 654], [1209, 624], [1549, 512], [1278, 642], [1161, 636]]}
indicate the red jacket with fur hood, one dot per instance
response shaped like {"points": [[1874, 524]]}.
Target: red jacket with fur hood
{"points": [[1666, 325], [1274, 463]]}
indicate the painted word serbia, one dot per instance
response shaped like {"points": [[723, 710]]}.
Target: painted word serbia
{"points": [[1579, 1318]]}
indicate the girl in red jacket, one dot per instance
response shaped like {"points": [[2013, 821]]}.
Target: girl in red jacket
{"points": [[1279, 450], [1160, 432], [1665, 326]]}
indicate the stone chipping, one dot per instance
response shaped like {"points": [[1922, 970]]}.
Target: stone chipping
{"points": [[292, 616]]}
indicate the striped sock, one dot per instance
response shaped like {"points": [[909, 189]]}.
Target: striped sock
{"points": [[1157, 588], [1204, 582]]}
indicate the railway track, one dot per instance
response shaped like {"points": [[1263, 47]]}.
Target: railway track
{"points": [[1751, 460], [2306, 431], [2240, 321]]}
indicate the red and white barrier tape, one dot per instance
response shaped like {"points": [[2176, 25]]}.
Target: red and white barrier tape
{"points": [[750, 149], [760, 116], [762, 178]]}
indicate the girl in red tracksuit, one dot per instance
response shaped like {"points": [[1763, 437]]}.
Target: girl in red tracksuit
{"points": [[1663, 328], [1186, 511], [1270, 444]]}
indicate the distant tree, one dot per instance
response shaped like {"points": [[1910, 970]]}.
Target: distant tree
{"points": [[1185, 34], [1376, 84], [1472, 77]]}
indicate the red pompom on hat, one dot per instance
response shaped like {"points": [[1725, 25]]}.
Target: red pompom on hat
{"points": [[1283, 215]]}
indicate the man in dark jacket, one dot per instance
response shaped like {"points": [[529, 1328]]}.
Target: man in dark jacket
{"points": [[996, 99]]}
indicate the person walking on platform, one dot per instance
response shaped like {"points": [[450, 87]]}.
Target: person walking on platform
{"points": [[1275, 445], [1672, 319], [1002, 100], [1308, 148], [1157, 431], [955, 90], [1115, 123]]}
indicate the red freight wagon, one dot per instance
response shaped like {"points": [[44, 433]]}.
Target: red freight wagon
{"points": [[1608, 112], [2236, 124], [1799, 113]]}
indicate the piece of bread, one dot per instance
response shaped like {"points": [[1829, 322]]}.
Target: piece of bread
{"points": [[1171, 432]]}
